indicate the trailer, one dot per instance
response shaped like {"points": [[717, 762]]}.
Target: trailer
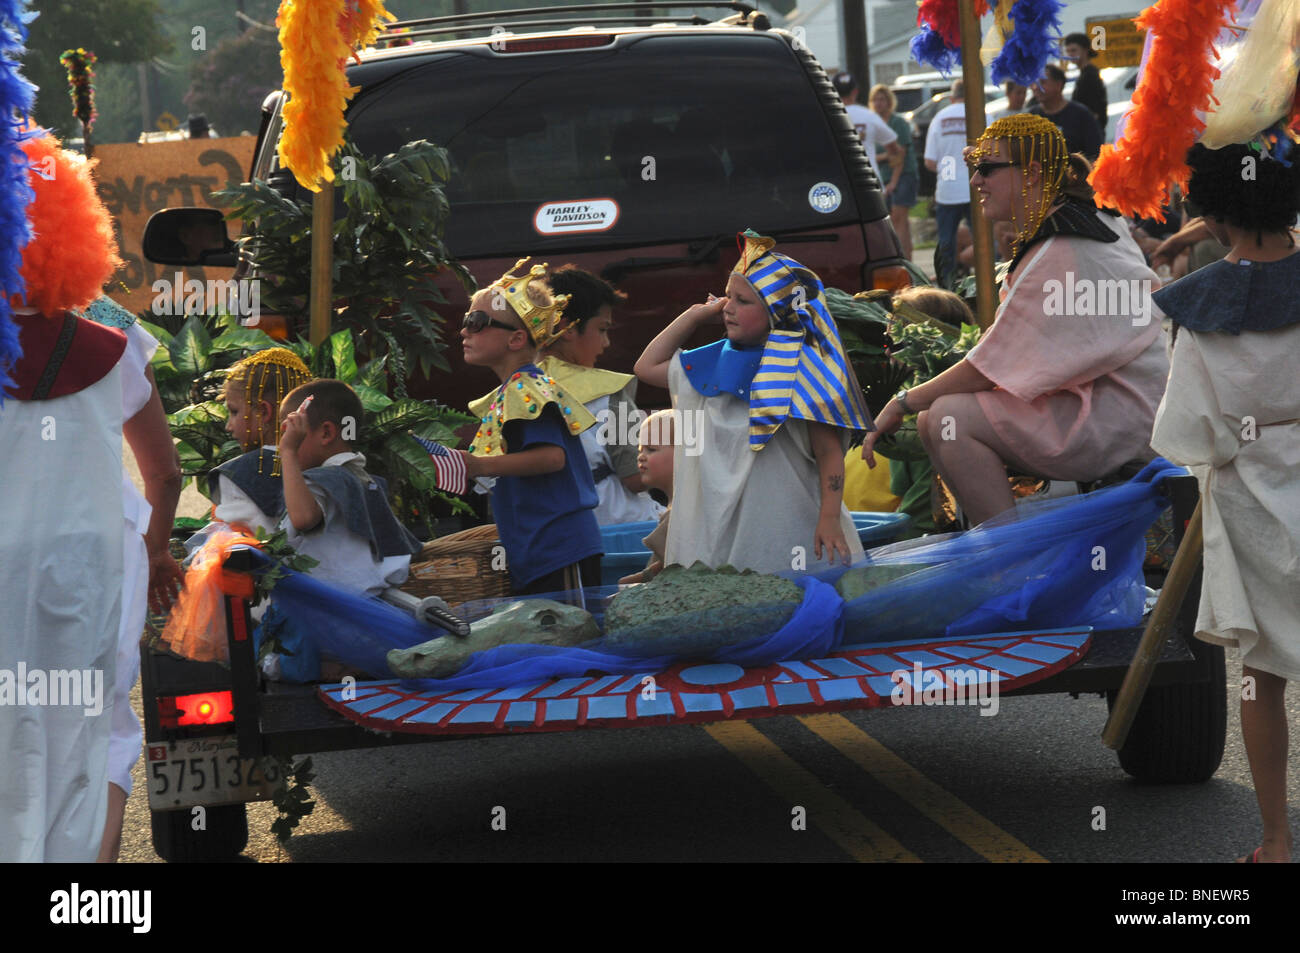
{"points": [[214, 734]]}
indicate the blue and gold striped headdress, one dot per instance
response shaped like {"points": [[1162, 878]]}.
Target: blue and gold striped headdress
{"points": [[804, 372]]}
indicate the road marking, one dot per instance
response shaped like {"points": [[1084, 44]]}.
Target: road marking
{"points": [[949, 812], [837, 818]]}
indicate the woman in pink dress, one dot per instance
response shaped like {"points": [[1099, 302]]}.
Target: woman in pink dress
{"points": [[1066, 381]]}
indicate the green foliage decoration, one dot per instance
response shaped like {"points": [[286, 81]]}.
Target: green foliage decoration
{"points": [[388, 250]]}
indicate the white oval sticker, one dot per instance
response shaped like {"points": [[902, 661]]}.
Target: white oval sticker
{"points": [[581, 215], [824, 197]]}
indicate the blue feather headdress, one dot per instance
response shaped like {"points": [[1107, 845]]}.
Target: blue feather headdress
{"points": [[15, 194]]}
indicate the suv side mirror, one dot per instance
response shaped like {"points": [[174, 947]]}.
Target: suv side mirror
{"points": [[188, 236]]}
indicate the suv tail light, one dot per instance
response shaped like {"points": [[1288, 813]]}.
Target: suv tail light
{"points": [[207, 708], [554, 43], [891, 278]]}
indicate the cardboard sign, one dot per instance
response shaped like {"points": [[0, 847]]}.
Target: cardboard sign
{"points": [[137, 180], [1118, 42]]}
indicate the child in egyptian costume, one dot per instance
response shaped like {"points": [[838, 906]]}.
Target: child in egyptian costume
{"points": [[570, 360], [544, 498], [763, 420]]}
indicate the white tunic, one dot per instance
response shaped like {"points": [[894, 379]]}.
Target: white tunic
{"points": [[733, 506], [61, 601], [1232, 414]]}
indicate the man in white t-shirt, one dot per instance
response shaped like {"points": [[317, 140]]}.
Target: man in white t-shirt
{"points": [[872, 130], [944, 143]]}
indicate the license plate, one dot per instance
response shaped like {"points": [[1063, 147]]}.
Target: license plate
{"points": [[206, 771]]}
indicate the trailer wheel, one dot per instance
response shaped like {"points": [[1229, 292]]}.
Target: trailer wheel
{"points": [[1179, 732], [224, 837]]}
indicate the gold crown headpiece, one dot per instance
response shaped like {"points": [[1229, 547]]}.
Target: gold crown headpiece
{"points": [[542, 322], [1037, 139], [277, 365]]}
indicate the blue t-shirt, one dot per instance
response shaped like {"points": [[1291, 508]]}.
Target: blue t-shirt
{"points": [[547, 521]]}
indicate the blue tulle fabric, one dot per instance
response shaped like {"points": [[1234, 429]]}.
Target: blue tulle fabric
{"points": [[15, 194], [1054, 564], [362, 631], [1031, 44], [1050, 564]]}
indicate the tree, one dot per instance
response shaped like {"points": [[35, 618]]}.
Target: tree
{"points": [[117, 31], [229, 84]]}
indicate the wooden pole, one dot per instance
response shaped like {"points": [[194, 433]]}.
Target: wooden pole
{"points": [[981, 231], [853, 15], [322, 262], [1186, 561]]}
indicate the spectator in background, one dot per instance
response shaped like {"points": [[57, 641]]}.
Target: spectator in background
{"points": [[1015, 101], [943, 156], [876, 136], [1089, 90], [1076, 123], [901, 178]]}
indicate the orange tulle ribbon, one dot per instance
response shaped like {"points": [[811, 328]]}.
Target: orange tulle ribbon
{"points": [[316, 39], [196, 628], [1135, 175]]}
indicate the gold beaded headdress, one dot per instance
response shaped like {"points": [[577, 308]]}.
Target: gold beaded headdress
{"points": [[542, 322], [1041, 141], [277, 367]]}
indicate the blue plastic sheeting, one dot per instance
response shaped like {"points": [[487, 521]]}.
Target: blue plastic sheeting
{"points": [[1051, 564], [361, 631]]}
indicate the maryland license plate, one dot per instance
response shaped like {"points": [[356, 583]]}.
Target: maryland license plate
{"points": [[206, 771]]}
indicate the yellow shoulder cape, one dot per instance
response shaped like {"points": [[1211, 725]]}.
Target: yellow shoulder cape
{"points": [[522, 397], [584, 383]]}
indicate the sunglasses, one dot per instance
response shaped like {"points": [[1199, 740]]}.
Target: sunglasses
{"points": [[476, 321], [983, 169]]}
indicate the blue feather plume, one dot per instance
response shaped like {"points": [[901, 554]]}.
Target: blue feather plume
{"points": [[1031, 44], [16, 95], [929, 49]]}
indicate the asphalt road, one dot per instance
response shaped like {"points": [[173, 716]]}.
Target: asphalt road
{"points": [[1032, 783]]}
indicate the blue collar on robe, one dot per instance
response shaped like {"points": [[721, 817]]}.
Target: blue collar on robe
{"points": [[1231, 297], [721, 368]]}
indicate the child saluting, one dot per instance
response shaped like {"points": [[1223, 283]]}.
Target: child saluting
{"points": [[775, 402], [544, 499]]}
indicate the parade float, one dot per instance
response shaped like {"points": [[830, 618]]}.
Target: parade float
{"points": [[1047, 599]]}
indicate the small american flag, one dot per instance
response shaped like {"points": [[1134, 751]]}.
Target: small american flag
{"points": [[449, 463]]}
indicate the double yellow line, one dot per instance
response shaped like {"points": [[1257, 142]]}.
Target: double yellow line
{"points": [[852, 831]]}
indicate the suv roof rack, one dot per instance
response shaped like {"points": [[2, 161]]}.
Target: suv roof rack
{"points": [[471, 22]]}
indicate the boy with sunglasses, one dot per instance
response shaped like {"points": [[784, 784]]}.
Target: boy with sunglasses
{"points": [[544, 499]]}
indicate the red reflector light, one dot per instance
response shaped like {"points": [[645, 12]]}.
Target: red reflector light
{"points": [[208, 708], [583, 42]]}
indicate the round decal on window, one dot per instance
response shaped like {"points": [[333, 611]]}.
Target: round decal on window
{"points": [[824, 197]]}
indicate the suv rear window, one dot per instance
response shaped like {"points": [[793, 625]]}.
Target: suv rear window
{"points": [[680, 152]]}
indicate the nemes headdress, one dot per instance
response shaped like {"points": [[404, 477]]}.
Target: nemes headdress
{"points": [[1038, 140], [804, 372], [276, 370], [543, 322]]}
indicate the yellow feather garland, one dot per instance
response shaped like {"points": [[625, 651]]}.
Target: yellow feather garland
{"points": [[316, 39]]}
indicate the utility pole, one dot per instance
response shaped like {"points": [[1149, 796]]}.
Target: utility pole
{"points": [[853, 16]]}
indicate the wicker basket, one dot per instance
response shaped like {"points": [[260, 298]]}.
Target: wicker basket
{"points": [[459, 567]]}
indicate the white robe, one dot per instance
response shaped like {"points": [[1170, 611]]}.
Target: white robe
{"points": [[61, 552], [733, 506], [1232, 414]]}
